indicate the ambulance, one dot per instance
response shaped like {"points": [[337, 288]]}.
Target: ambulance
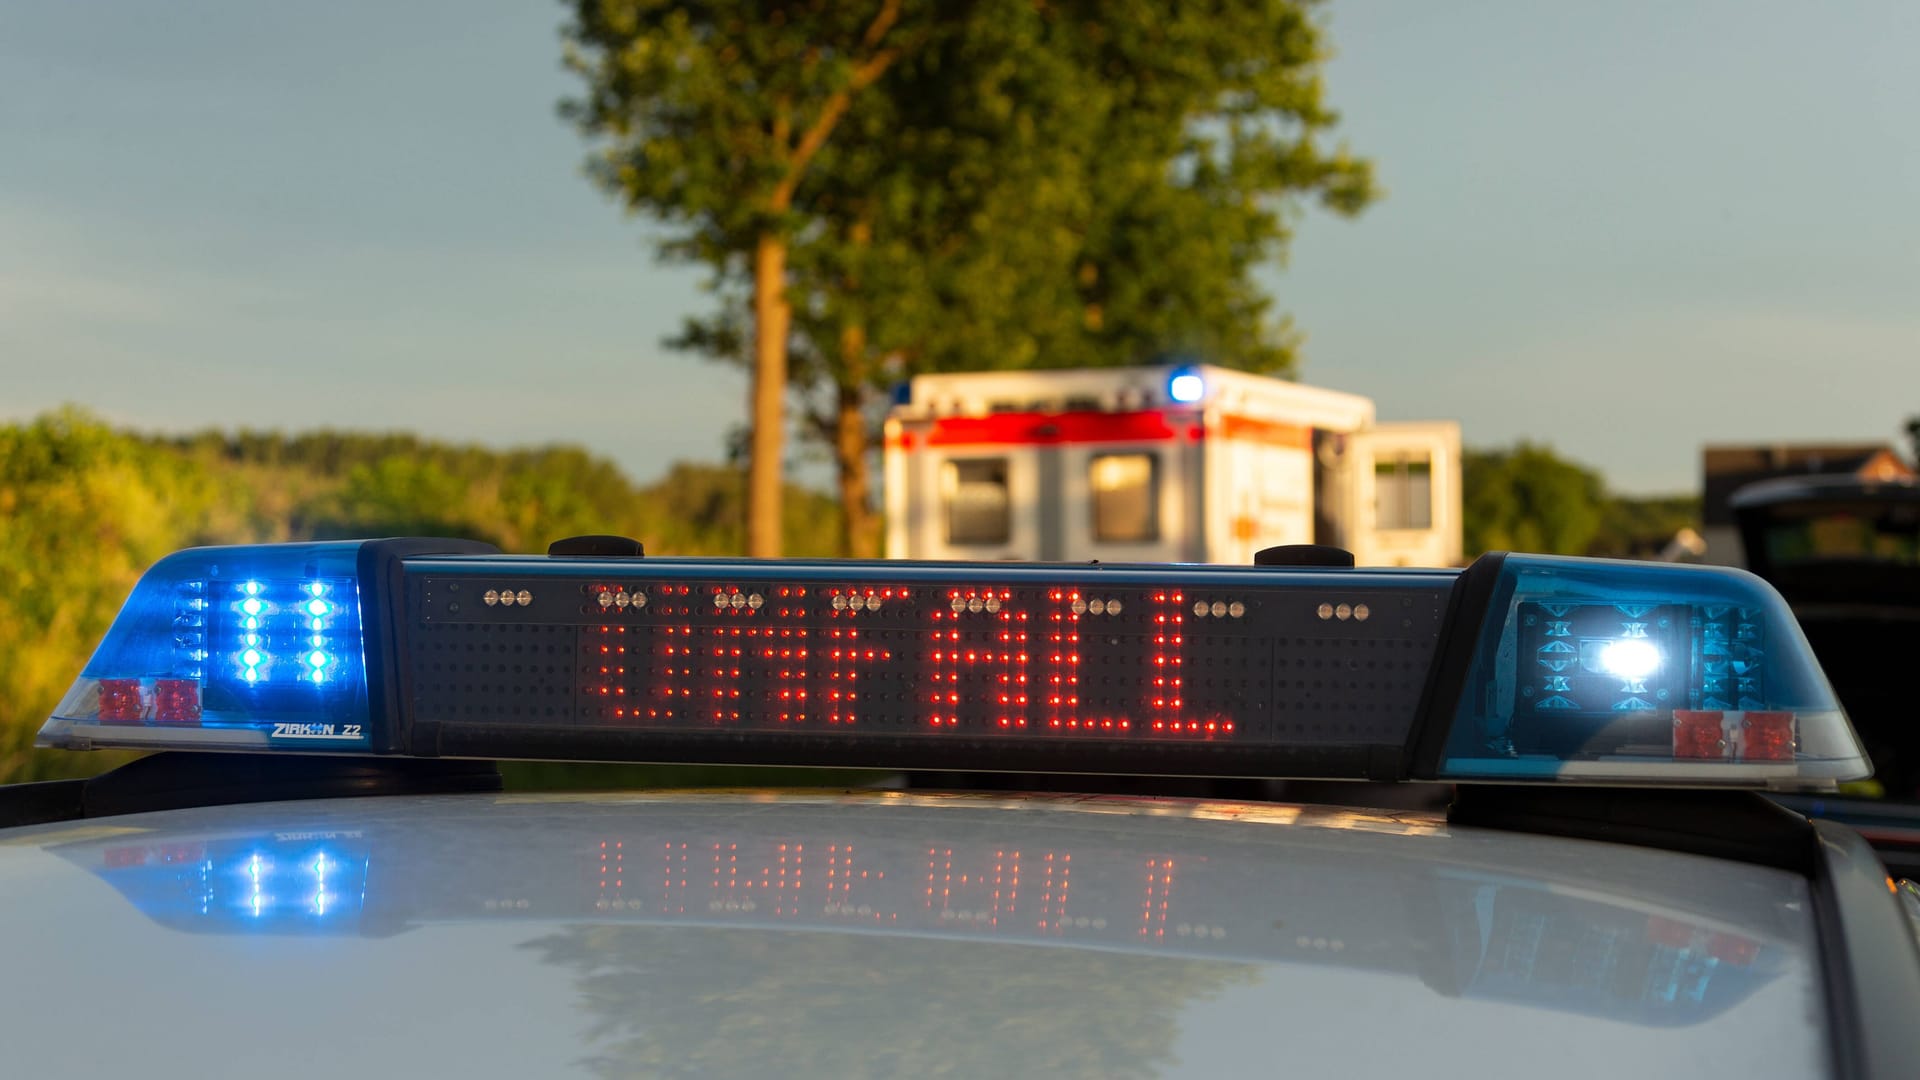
{"points": [[1161, 464]]}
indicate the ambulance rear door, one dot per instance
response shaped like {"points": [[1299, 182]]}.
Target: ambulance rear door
{"points": [[972, 491], [1407, 492], [1130, 493]]}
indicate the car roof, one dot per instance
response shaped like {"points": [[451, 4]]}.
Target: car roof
{"points": [[755, 933], [1817, 487]]}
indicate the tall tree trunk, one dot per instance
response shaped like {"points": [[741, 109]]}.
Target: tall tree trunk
{"points": [[850, 448], [771, 318]]}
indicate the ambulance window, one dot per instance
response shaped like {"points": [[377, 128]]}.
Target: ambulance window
{"points": [[978, 509], [1403, 492], [1126, 498]]}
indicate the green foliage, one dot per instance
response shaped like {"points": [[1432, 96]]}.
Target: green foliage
{"points": [[1528, 498], [1086, 183], [88, 509], [705, 110], [1065, 185], [695, 509], [1641, 527], [342, 484], [650, 995]]}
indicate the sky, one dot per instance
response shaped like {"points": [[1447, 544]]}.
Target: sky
{"points": [[1621, 229]]}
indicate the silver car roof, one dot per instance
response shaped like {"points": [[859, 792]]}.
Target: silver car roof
{"points": [[886, 934]]}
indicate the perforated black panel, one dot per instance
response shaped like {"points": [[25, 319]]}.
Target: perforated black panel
{"points": [[509, 673], [1239, 664]]}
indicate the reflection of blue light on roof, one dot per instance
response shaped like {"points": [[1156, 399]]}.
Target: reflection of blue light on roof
{"points": [[271, 885], [320, 867], [1526, 945]]}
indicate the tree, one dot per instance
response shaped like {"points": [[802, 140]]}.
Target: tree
{"points": [[712, 116], [1066, 185], [1529, 499], [938, 210]]}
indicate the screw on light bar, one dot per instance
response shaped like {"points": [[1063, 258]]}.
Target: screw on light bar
{"points": [[1523, 668]]}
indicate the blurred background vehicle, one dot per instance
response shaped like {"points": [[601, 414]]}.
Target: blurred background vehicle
{"points": [[1845, 552]]}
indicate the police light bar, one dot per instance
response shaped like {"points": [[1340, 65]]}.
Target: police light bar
{"points": [[1521, 668]]}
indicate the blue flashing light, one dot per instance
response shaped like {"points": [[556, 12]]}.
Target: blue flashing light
{"points": [[1629, 659], [1591, 670], [176, 671], [1186, 387]]}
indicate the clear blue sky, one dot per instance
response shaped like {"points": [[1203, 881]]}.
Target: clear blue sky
{"points": [[1624, 229]]}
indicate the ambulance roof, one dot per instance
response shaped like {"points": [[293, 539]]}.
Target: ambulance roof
{"points": [[1133, 388]]}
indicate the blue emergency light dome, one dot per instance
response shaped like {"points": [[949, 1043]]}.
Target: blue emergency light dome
{"points": [[1629, 672], [218, 646]]}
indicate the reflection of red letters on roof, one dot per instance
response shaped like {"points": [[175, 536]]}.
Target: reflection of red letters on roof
{"points": [[1005, 429], [1296, 436], [1733, 949]]}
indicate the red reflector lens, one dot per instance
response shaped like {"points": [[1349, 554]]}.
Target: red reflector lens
{"points": [[119, 699], [1769, 736], [176, 700], [1697, 734]]}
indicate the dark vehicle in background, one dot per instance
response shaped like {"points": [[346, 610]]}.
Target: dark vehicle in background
{"points": [[1845, 552]]}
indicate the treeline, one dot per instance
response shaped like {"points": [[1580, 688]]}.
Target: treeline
{"points": [[87, 508], [1528, 498]]}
